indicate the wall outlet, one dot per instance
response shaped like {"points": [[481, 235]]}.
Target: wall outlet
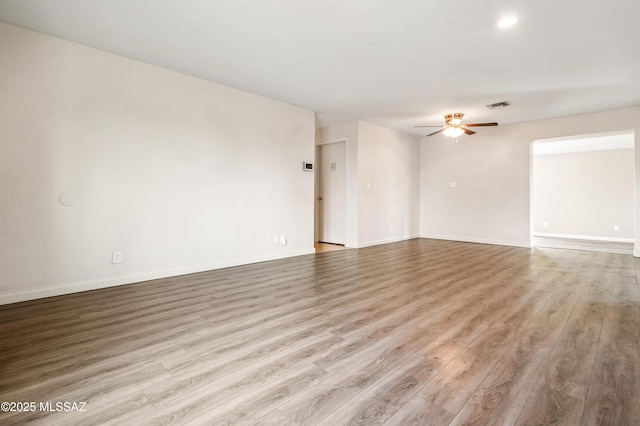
{"points": [[283, 239], [616, 227], [453, 184], [116, 257], [545, 224], [391, 227]]}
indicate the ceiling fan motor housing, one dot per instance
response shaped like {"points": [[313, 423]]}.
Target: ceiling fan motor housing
{"points": [[454, 118]]}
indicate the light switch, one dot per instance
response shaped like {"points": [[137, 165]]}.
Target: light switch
{"points": [[453, 184]]}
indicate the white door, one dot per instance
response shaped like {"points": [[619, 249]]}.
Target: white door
{"points": [[332, 197]]}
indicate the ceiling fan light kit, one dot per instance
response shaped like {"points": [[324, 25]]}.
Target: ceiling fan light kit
{"points": [[453, 132], [454, 126]]}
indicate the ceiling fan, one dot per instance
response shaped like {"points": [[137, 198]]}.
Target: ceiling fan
{"points": [[454, 126]]}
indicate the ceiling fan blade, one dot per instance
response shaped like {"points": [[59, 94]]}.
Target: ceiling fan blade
{"points": [[481, 124], [467, 131], [435, 133], [427, 126]]}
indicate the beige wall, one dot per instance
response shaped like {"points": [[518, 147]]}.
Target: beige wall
{"points": [[491, 203], [180, 174], [388, 185], [584, 193]]}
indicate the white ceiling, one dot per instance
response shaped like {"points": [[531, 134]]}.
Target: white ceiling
{"points": [[395, 63]]}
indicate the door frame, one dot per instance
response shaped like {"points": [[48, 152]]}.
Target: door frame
{"points": [[316, 192]]}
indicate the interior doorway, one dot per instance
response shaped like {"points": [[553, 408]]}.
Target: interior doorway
{"points": [[331, 194], [582, 192]]}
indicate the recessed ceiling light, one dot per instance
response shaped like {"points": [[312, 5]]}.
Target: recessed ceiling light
{"points": [[507, 22]]}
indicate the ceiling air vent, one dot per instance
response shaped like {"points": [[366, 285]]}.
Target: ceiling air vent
{"points": [[499, 105]]}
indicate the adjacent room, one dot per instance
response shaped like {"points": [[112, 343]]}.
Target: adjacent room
{"points": [[319, 213], [583, 193]]}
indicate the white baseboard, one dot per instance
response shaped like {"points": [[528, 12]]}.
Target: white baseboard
{"points": [[385, 241], [525, 244], [136, 278], [618, 245], [584, 237]]}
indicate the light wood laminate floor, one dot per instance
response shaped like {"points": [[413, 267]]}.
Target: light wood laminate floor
{"points": [[324, 247], [420, 332]]}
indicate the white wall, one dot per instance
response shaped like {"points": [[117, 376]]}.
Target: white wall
{"points": [[584, 193], [387, 209], [388, 185], [492, 169], [180, 174]]}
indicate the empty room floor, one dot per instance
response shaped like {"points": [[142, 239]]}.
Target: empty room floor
{"points": [[422, 332]]}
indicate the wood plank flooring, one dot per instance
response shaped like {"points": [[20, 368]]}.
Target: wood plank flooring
{"points": [[324, 247], [420, 332]]}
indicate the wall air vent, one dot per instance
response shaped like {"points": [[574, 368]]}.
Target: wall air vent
{"points": [[499, 105]]}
